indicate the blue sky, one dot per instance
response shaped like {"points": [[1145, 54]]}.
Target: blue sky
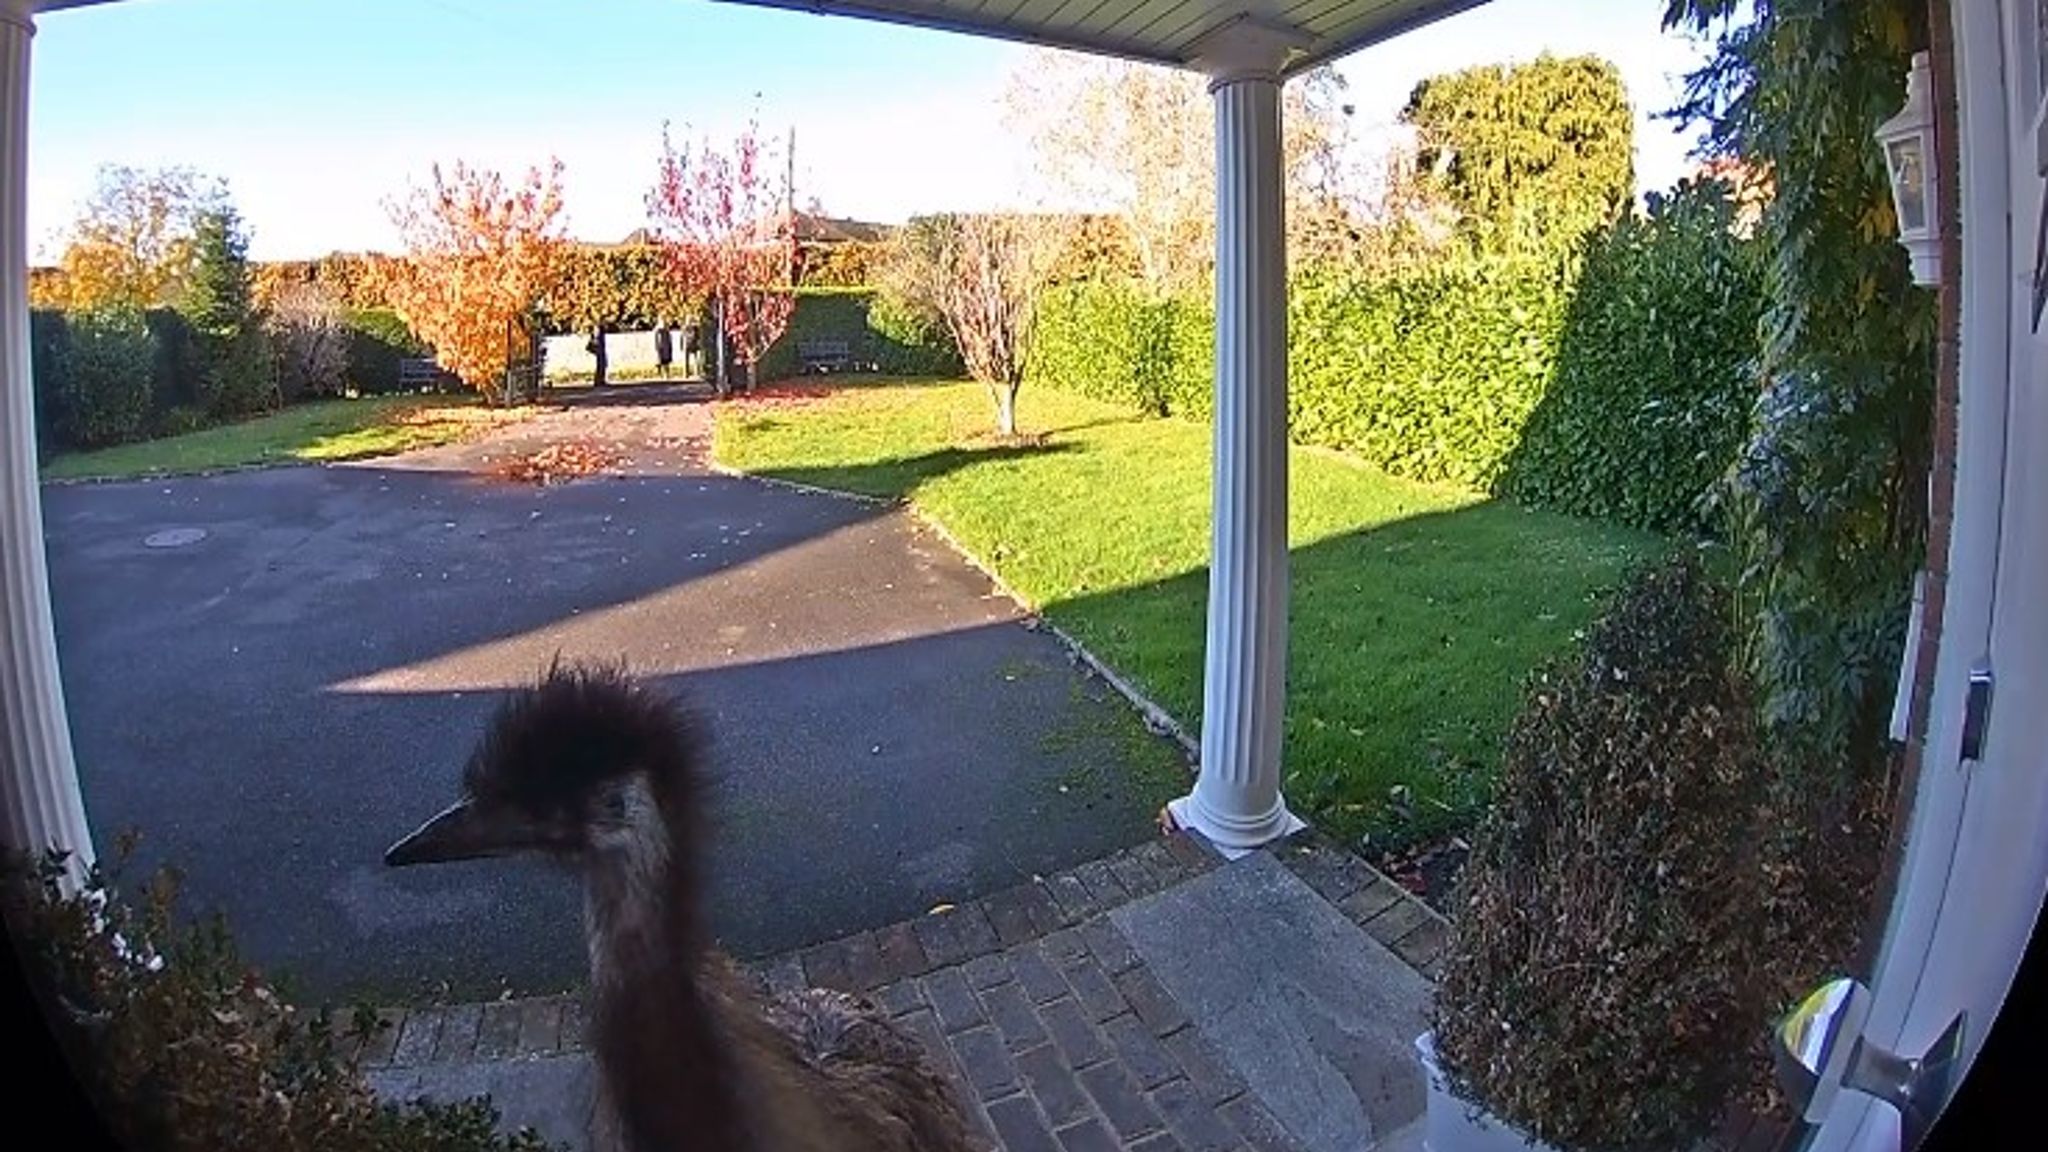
{"points": [[316, 110]]}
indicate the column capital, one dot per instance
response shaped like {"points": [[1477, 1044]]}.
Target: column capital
{"points": [[1243, 48], [20, 13]]}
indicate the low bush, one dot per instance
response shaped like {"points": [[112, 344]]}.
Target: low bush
{"points": [[377, 340], [181, 1048], [105, 390], [1601, 978]]}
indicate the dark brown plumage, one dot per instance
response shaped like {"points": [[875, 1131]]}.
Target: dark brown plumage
{"points": [[603, 775]]}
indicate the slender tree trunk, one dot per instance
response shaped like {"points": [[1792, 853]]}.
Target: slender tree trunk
{"points": [[1006, 407], [724, 386]]}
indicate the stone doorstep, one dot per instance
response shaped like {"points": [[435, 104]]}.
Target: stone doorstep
{"points": [[870, 963]]}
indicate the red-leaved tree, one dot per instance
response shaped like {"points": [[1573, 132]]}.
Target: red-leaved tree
{"points": [[479, 253], [727, 237]]}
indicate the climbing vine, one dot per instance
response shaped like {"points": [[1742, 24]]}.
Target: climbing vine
{"points": [[1827, 501]]}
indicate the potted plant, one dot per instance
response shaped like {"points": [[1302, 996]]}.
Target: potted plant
{"points": [[1598, 990]]}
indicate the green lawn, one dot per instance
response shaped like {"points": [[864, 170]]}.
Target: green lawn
{"points": [[325, 430], [1416, 611]]}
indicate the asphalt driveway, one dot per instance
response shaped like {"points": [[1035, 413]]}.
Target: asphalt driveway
{"points": [[273, 703]]}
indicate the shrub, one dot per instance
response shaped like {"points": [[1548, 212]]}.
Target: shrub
{"points": [[1114, 341], [1655, 369], [49, 349], [306, 332], [180, 1047], [1600, 973], [377, 340], [106, 392], [896, 341], [176, 371]]}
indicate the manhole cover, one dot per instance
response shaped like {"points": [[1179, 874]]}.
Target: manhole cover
{"points": [[175, 538]]}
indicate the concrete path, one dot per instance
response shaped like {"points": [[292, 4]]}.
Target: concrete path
{"points": [[274, 703], [1157, 999]]}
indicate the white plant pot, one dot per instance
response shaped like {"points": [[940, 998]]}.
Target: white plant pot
{"points": [[1453, 1124]]}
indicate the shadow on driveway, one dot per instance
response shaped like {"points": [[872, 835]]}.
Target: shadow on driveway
{"points": [[274, 704]]}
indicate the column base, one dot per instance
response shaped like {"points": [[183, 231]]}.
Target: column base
{"points": [[1231, 837]]}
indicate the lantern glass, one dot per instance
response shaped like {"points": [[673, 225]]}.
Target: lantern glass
{"points": [[1907, 158]]}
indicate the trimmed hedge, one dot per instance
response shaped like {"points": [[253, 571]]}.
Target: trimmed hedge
{"points": [[104, 391], [1428, 374], [877, 331], [1655, 376], [377, 340], [1615, 385]]}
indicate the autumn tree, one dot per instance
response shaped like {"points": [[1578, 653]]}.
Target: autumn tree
{"points": [[1537, 153], [132, 244], [982, 275], [727, 237], [1139, 140], [311, 341], [480, 251]]}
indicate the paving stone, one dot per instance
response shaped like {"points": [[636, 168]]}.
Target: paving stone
{"points": [[458, 1033], [899, 953], [1196, 1124], [1102, 884], [947, 992], [900, 997], [1041, 981], [1075, 902], [1425, 943], [1165, 870], [1141, 1052], [497, 1037], [1320, 869], [1119, 1099], [825, 966], [1052, 1084], [942, 945], [1213, 1079], [1010, 1010], [1195, 858], [985, 1061], [1371, 900], [922, 1024], [1020, 1127], [1063, 947], [1042, 908], [540, 1026], [1088, 1136], [987, 971], [785, 974], [416, 1040], [575, 1025], [864, 964], [1009, 913], [1073, 1032], [383, 1039], [1157, 1142], [1098, 997], [1396, 922], [1151, 1001], [976, 935], [1108, 946], [1257, 1126], [1135, 878]]}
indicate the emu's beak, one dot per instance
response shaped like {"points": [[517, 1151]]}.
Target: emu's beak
{"points": [[462, 831]]}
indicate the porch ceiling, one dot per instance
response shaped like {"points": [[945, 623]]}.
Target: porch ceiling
{"points": [[1155, 31]]}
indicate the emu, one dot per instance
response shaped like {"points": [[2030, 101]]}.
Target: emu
{"points": [[598, 773]]}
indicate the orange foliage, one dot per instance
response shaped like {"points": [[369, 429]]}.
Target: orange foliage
{"points": [[479, 253]]}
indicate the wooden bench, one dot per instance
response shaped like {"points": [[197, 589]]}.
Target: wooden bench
{"points": [[824, 355]]}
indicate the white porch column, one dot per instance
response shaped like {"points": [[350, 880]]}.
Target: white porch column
{"points": [[1236, 801], [40, 806]]}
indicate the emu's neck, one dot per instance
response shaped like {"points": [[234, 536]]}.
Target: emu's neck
{"points": [[667, 1071]]}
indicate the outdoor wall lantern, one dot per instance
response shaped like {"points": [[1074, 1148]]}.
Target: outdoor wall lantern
{"points": [[1908, 143]]}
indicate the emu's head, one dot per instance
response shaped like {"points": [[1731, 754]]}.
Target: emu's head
{"points": [[587, 768]]}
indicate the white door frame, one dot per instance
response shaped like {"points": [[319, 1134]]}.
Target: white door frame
{"points": [[1976, 851]]}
